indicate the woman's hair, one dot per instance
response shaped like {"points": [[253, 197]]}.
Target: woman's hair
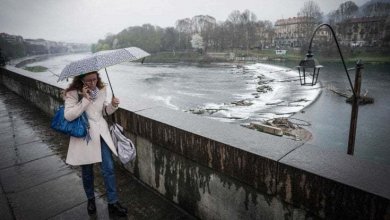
{"points": [[77, 84]]}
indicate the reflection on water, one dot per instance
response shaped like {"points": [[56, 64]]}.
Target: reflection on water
{"points": [[256, 92], [330, 115]]}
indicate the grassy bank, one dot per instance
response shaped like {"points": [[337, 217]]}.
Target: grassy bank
{"points": [[175, 57], [35, 68]]}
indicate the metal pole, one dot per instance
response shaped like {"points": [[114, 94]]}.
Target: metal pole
{"points": [[109, 82], [338, 48], [355, 108]]}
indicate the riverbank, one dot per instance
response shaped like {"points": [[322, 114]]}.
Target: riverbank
{"points": [[261, 56], [239, 57]]}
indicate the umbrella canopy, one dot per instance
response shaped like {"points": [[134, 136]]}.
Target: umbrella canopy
{"points": [[100, 60]]}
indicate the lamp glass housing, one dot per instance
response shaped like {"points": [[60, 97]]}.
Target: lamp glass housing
{"points": [[309, 69]]}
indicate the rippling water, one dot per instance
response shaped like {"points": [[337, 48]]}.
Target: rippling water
{"points": [[223, 91]]}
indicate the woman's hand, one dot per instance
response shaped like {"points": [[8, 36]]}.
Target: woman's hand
{"points": [[86, 92], [115, 102]]}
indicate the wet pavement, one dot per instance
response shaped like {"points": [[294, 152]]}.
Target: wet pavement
{"points": [[37, 184]]}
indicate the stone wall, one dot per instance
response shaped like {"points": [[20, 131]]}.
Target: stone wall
{"points": [[216, 170]]}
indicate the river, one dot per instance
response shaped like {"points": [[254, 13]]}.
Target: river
{"points": [[257, 92]]}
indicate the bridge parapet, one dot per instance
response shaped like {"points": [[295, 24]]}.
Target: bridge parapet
{"points": [[216, 170]]}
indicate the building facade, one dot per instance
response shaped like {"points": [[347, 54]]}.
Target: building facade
{"points": [[294, 32], [364, 31], [355, 32], [12, 39], [287, 32]]}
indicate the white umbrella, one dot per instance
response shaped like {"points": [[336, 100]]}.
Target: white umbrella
{"points": [[100, 60]]}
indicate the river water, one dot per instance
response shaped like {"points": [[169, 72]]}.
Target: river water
{"points": [[257, 92], [330, 115]]}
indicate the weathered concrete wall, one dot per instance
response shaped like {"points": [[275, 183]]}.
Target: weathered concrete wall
{"points": [[42, 95], [221, 171]]}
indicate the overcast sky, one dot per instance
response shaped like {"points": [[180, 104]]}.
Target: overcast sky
{"points": [[86, 21]]}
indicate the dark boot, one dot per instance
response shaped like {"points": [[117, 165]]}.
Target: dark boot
{"points": [[117, 209], [91, 207]]}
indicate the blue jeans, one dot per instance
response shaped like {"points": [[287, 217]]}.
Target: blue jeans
{"points": [[108, 172]]}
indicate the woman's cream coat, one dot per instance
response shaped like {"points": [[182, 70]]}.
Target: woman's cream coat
{"points": [[80, 152]]}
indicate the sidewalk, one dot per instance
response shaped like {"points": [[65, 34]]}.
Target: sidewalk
{"points": [[37, 184]]}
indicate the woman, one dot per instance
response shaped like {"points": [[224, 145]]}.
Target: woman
{"points": [[87, 93]]}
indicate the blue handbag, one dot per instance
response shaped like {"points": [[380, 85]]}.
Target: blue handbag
{"points": [[76, 128]]}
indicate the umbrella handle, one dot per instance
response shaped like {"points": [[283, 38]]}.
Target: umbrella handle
{"points": [[109, 83]]}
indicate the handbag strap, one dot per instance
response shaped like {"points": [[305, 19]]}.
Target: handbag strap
{"points": [[111, 119], [83, 116]]}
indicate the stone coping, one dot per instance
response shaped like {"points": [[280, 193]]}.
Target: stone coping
{"points": [[350, 171], [264, 145], [342, 168]]}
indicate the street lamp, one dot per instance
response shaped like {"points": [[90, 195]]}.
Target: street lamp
{"points": [[310, 67]]}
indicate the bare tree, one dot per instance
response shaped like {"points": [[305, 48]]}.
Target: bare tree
{"points": [[311, 10], [205, 26], [222, 36], [348, 10], [333, 17], [184, 27], [263, 34], [233, 23], [169, 39], [311, 16], [248, 29]]}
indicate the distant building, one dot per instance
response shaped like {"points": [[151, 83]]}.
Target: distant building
{"points": [[77, 47], [364, 31], [12, 39], [40, 42], [264, 35], [354, 32], [36, 46], [265, 39], [287, 32], [13, 46], [40, 46]]}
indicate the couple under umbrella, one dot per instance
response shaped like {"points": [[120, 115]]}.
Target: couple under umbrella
{"points": [[87, 93]]}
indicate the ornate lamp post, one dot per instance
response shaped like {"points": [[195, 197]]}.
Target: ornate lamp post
{"points": [[309, 67]]}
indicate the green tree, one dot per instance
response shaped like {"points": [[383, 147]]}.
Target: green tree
{"points": [[147, 37]]}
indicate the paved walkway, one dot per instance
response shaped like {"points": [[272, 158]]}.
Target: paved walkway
{"points": [[37, 184]]}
